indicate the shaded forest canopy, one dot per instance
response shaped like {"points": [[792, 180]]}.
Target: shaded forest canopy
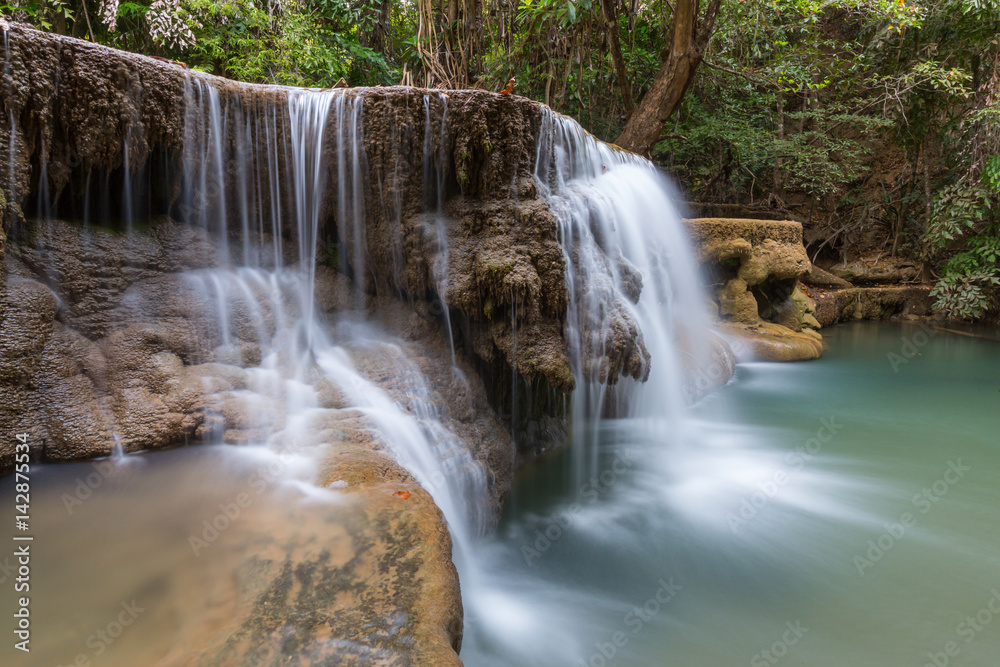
{"points": [[874, 122]]}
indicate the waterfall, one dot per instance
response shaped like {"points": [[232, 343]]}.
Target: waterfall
{"points": [[271, 304], [434, 193], [308, 114], [629, 265], [350, 197], [278, 180], [619, 234]]}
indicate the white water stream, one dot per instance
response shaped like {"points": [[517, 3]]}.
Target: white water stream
{"points": [[619, 231]]}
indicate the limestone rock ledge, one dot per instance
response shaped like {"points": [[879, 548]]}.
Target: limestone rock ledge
{"points": [[754, 268], [80, 108], [871, 303], [106, 339], [444, 182], [375, 585]]}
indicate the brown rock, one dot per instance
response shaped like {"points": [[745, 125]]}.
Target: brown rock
{"points": [[820, 278], [757, 265], [872, 303]]}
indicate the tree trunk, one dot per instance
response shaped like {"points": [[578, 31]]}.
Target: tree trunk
{"points": [[927, 179], [378, 16], [384, 26], [779, 181], [687, 48], [611, 24]]}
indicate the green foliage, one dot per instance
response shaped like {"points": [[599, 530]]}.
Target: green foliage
{"points": [[965, 229], [43, 13], [957, 210], [131, 10], [877, 117], [311, 44], [966, 296], [535, 16]]}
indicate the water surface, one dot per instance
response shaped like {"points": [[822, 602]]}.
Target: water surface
{"points": [[828, 513], [836, 512]]}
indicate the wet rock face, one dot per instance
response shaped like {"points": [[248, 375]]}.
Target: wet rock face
{"points": [[111, 339], [73, 103], [469, 155], [756, 267], [78, 369], [373, 585], [139, 361]]}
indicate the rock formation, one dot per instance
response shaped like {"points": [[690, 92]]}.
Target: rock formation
{"points": [[127, 184], [871, 303], [756, 266]]}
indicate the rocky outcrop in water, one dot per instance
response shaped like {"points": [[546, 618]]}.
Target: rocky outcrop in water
{"points": [[374, 586], [756, 266]]}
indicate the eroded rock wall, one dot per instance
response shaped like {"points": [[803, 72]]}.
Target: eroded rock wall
{"points": [[138, 360], [755, 267], [78, 107]]}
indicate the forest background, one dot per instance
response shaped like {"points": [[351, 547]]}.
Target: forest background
{"points": [[876, 123]]}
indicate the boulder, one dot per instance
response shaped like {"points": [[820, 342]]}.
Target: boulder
{"points": [[756, 266]]}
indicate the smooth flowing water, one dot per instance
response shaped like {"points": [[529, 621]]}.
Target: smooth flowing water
{"points": [[118, 576], [790, 526], [839, 512], [629, 266]]}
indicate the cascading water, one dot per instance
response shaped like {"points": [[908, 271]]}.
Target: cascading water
{"points": [[629, 265], [278, 303], [298, 348], [619, 235], [308, 113], [434, 192], [350, 199], [655, 538], [265, 181]]}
